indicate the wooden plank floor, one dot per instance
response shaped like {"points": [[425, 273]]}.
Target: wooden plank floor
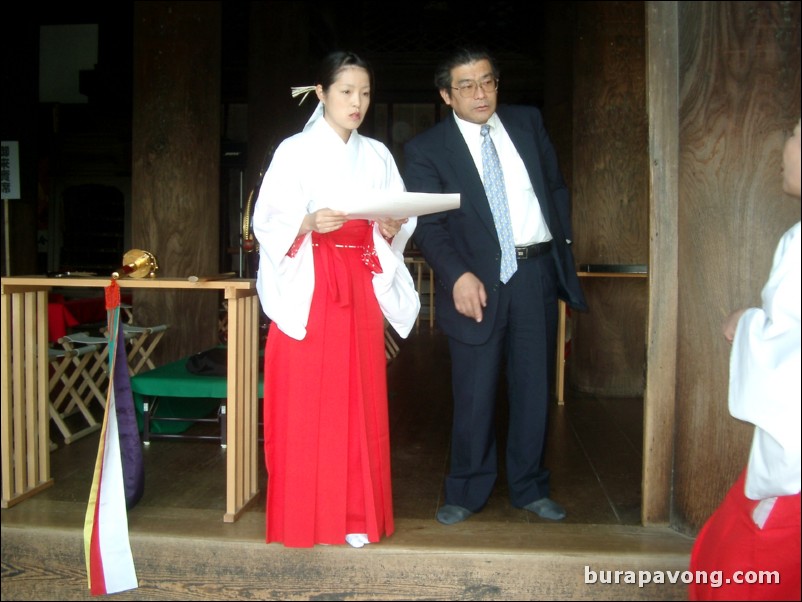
{"points": [[594, 453]]}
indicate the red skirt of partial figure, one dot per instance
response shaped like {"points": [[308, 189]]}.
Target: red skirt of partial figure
{"points": [[731, 547], [327, 440]]}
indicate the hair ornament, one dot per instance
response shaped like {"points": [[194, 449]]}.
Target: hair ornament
{"points": [[305, 90]]}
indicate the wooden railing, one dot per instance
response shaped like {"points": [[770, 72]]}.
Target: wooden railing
{"points": [[25, 417]]}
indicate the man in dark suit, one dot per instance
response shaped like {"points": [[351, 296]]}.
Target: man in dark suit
{"points": [[493, 319]]}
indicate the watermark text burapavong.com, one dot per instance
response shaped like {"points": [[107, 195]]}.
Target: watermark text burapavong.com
{"points": [[642, 578]]}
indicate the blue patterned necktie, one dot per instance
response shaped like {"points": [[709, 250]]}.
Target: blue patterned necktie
{"points": [[497, 195]]}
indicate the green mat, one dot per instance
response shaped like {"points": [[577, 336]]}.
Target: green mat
{"points": [[181, 394]]}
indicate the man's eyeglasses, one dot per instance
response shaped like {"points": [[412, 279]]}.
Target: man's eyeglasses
{"points": [[468, 89]]}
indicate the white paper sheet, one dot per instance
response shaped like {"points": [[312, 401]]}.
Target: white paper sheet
{"points": [[383, 203]]}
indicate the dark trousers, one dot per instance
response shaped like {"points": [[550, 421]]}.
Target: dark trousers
{"points": [[522, 345]]}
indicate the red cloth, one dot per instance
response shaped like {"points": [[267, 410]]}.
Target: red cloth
{"points": [[63, 315], [92, 310], [732, 544], [89, 310], [59, 319], [327, 440]]}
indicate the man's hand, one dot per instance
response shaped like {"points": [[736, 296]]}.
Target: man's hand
{"points": [[470, 297]]}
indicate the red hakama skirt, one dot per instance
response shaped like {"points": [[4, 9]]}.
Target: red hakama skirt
{"points": [[740, 561], [327, 440]]}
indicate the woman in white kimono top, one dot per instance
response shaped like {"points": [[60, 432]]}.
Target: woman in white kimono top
{"points": [[753, 538], [327, 283]]}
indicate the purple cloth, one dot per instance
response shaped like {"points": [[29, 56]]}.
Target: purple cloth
{"points": [[130, 443]]}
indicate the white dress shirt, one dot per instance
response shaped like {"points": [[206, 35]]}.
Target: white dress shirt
{"points": [[528, 225]]}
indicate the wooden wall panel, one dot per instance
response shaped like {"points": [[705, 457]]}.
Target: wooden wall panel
{"points": [[610, 196], [739, 66], [175, 176]]}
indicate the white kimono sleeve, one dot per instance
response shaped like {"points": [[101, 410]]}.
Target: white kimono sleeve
{"points": [[765, 377], [285, 284], [394, 287]]}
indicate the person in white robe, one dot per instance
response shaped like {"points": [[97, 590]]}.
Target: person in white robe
{"points": [[329, 283], [755, 532], [313, 170]]}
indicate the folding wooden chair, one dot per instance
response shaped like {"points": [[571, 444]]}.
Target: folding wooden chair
{"points": [[142, 340], [128, 313], [419, 267], [391, 348], [94, 375], [68, 367]]}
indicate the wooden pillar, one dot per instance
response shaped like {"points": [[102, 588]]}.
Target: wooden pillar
{"points": [[272, 112], [176, 164], [659, 398]]}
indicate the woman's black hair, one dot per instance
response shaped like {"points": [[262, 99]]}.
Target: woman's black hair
{"points": [[335, 62]]}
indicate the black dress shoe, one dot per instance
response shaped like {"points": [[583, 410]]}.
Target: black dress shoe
{"points": [[451, 514]]}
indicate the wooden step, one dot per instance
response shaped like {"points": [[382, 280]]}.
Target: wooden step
{"points": [[191, 554]]}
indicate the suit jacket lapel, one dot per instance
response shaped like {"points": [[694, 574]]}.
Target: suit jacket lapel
{"points": [[473, 196], [524, 140]]}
